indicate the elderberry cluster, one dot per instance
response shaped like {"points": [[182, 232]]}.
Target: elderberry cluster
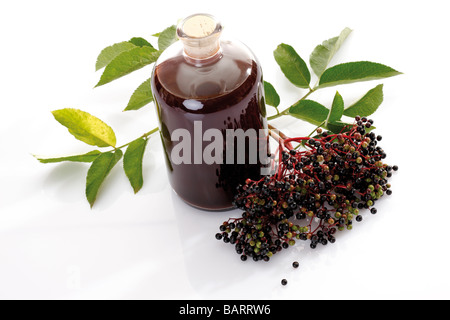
{"points": [[313, 194]]}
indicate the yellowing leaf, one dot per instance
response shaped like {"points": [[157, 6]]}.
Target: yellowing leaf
{"points": [[86, 127]]}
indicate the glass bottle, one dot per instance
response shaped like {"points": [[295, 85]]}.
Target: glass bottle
{"points": [[209, 97]]}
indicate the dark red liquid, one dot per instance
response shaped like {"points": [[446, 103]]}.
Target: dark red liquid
{"points": [[227, 94]]}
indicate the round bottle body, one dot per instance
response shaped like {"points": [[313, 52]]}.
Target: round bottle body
{"points": [[207, 109]]}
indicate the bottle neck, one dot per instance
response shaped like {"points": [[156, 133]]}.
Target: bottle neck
{"points": [[200, 35]]}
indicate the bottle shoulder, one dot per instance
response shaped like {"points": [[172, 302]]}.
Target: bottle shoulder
{"points": [[180, 77]]}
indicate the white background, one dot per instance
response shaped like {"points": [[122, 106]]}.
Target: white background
{"points": [[153, 246]]}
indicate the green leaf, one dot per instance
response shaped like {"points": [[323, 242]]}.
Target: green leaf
{"points": [[310, 111], [367, 105], [271, 95], [337, 109], [108, 54], [292, 65], [140, 42], [337, 126], [354, 72], [98, 171], [86, 127], [132, 163], [87, 157], [127, 62], [321, 56], [167, 37], [141, 96]]}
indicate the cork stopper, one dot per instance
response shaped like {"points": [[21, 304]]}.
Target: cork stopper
{"points": [[200, 34]]}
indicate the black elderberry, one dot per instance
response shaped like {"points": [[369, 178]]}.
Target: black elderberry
{"points": [[315, 191]]}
